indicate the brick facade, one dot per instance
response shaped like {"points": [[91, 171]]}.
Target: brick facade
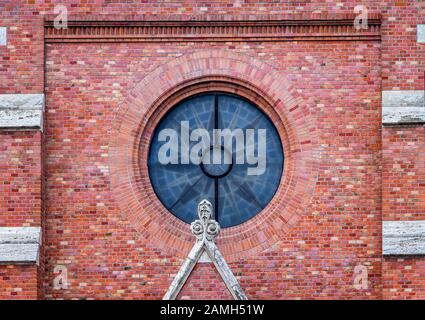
{"points": [[84, 177], [204, 284]]}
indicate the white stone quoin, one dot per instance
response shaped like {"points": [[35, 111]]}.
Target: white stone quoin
{"points": [[21, 111], [19, 244], [205, 229], [403, 237], [3, 36], [403, 107]]}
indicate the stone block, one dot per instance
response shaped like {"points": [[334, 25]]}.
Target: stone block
{"points": [[403, 107], [421, 33], [19, 244], [21, 111], [403, 238]]}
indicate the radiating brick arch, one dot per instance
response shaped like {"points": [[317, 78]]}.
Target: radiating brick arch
{"points": [[204, 71]]}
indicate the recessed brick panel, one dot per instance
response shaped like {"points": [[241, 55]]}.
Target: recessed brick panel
{"points": [[340, 219]]}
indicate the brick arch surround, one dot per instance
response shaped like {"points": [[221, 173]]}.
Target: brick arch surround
{"points": [[200, 72]]}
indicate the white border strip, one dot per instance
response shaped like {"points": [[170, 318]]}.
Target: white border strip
{"points": [[21, 111]]}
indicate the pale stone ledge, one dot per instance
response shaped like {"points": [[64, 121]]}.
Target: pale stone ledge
{"points": [[19, 244], [421, 33], [403, 238], [403, 107], [3, 36], [205, 250], [21, 111]]}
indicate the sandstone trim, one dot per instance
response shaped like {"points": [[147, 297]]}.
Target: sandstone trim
{"points": [[21, 111], [189, 74], [403, 238], [403, 107], [19, 244]]}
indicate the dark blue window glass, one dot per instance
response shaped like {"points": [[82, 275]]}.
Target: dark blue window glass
{"points": [[235, 194]]}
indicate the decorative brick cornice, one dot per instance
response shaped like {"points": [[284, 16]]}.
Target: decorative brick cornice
{"points": [[210, 30]]}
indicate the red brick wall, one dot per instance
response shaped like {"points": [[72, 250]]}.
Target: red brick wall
{"points": [[340, 83], [403, 67], [403, 59], [18, 282], [21, 71], [204, 283], [22, 62], [403, 199], [20, 184]]}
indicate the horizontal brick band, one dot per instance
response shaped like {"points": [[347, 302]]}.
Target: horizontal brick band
{"points": [[21, 111], [19, 244], [403, 107], [247, 30], [403, 238]]}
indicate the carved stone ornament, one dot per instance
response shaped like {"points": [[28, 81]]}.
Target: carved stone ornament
{"points": [[205, 227], [206, 230]]}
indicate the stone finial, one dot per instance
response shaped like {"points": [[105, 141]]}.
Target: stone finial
{"points": [[205, 228]]}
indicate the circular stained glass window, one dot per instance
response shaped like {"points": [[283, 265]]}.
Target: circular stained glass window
{"points": [[219, 147]]}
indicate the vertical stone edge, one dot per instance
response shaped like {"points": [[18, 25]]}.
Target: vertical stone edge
{"points": [[420, 29]]}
